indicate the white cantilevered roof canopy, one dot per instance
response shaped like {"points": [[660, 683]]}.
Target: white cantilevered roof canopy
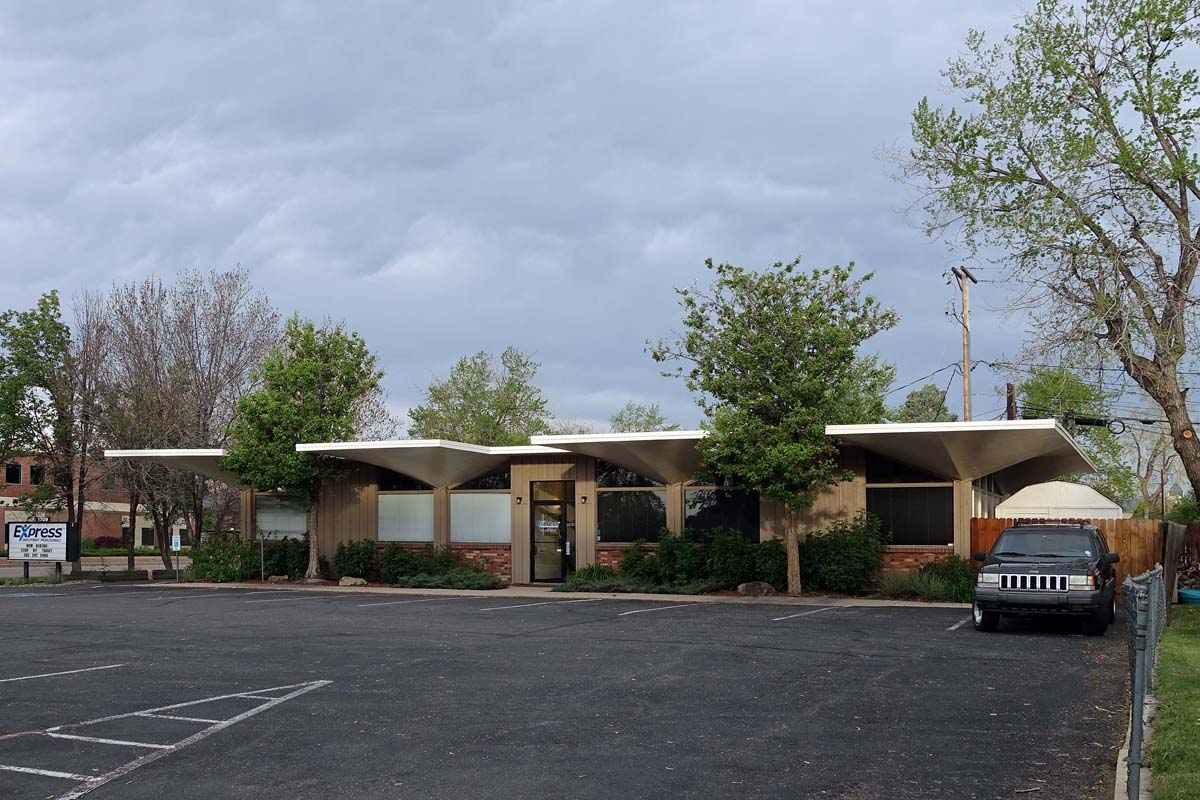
{"points": [[663, 456], [203, 462], [1018, 452], [437, 462]]}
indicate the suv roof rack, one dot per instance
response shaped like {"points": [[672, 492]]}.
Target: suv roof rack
{"points": [[1033, 523]]}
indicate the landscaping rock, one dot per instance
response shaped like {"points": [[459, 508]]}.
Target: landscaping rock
{"points": [[277, 579], [349, 581], [755, 588]]}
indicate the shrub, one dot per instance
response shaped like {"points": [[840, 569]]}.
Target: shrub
{"points": [[595, 578], [102, 543], [959, 575], [399, 562], [286, 557], [770, 563], [844, 558], [638, 565], [731, 558], [920, 585], [355, 559], [465, 577], [223, 558], [678, 558]]}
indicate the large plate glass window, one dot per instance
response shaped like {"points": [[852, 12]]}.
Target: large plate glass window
{"points": [[280, 516]]}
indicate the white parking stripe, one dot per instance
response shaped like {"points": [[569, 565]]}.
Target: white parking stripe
{"points": [[48, 773], [287, 599], [177, 719], [656, 608], [804, 613], [55, 674], [402, 602], [959, 624], [99, 740], [544, 603]]}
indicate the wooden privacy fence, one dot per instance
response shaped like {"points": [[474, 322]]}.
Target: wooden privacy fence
{"points": [[1139, 542]]}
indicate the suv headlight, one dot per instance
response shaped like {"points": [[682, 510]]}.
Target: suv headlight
{"points": [[988, 579], [1082, 581]]}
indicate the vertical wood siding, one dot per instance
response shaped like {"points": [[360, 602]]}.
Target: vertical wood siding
{"points": [[840, 501], [526, 470], [347, 508]]}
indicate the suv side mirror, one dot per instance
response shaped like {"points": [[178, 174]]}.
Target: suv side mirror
{"points": [[979, 555], [1111, 558]]}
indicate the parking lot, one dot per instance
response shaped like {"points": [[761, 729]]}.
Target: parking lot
{"points": [[146, 692]]}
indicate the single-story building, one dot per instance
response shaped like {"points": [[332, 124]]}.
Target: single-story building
{"points": [[1059, 500], [534, 513]]}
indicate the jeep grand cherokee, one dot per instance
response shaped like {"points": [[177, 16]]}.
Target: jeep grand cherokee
{"points": [[1047, 569]]}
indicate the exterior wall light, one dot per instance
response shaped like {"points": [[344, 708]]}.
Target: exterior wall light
{"points": [[519, 499], [583, 499]]}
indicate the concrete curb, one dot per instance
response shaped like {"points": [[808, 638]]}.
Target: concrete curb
{"points": [[543, 592]]}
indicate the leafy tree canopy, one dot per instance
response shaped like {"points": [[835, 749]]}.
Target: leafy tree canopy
{"points": [[484, 401], [926, 404], [636, 417], [772, 357], [1060, 393], [310, 388]]}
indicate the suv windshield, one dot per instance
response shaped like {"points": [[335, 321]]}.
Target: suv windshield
{"points": [[1044, 543]]}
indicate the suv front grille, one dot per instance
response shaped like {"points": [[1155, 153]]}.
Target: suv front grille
{"points": [[1035, 583]]}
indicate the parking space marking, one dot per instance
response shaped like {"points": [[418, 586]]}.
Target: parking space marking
{"points": [[321, 596], [176, 718], [56, 674], [402, 602], [656, 608], [32, 594], [46, 773], [543, 603], [805, 613], [959, 624], [101, 740]]}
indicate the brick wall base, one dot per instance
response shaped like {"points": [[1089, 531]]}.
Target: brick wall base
{"points": [[609, 555], [910, 557], [495, 558]]}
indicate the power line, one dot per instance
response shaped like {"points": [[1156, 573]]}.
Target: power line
{"points": [[952, 365]]}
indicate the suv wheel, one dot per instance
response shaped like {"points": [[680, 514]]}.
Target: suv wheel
{"points": [[984, 620]]}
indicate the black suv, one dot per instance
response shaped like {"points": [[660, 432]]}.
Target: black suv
{"points": [[1047, 569]]}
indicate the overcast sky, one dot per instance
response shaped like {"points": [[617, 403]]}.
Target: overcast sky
{"points": [[453, 176]]}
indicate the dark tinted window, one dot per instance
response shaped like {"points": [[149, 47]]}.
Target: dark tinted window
{"points": [[915, 516], [1045, 542], [496, 479], [626, 516], [722, 508], [884, 470], [147, 537], [12, 473], [37, 475], [396, 482], [610, 475]]}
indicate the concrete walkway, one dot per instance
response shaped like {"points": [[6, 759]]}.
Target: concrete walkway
{"points": [[545, 592]]}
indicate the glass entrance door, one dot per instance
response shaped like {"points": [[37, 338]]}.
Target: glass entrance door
{"points": [[552, 539]]}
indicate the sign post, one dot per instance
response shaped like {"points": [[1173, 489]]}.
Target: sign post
{"points": [[176, 544]]}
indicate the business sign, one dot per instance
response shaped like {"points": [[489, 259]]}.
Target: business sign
{"points": [[41, 541]]}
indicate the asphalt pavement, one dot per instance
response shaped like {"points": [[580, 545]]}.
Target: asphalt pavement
{"points": [[122, 691]]}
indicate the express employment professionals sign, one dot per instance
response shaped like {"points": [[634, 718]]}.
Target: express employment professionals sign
{"points": [[41, 541]]}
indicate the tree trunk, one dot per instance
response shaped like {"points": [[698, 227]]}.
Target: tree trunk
{"points": [[75, 515], [162, 536], [792, 544], [197, 521], [314, 556], [131, 544]]}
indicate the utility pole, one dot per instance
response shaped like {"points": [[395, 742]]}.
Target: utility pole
{"points": [[963, 275], [1010, 403]]}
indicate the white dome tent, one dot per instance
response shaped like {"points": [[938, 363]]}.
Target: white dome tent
{"points": [[1058, 500]]}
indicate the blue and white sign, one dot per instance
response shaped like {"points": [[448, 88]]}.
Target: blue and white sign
{"points": [[175, 542], [37, 541]]}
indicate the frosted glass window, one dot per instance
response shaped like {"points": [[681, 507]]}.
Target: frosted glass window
{"points": [[480, 518], [279, 517], [406, 517]]}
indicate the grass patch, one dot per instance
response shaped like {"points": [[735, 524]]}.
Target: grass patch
{"points": [[598, 578], [1175, 749], [51, 578]]}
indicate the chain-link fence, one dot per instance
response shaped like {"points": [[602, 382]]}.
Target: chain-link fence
{"points": [[1146, 615]]}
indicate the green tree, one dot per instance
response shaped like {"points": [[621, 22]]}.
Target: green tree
{"points": [[1075, 160], [1060, 393], [50, 396], [636, 417], [1185, 511], [926, 404], [484, 402], [310, 390], [770, 355], [861, 399]]}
